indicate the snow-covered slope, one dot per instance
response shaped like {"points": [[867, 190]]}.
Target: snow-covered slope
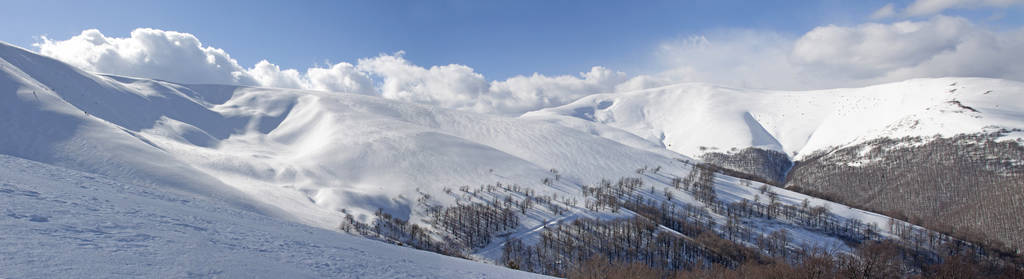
{"points": [[695, 118], [59, 223], [301, 155], [69, 129]]}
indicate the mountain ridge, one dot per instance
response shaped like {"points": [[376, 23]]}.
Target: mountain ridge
{"points": [[720, 118]]}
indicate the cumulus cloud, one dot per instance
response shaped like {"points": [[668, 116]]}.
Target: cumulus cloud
{"points": [[521, 93], [340, 77], [271, 75], [451, 86], [147, 52], [459, 86], [181, 57]]}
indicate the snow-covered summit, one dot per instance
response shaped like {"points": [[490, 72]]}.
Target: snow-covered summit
{"points": [[695, 118]]}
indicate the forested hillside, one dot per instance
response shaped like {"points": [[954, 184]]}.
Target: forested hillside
{"points": [[970, 185]]}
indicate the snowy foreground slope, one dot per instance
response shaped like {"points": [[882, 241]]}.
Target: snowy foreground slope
{"points": [[58, 223], [695, 118]]}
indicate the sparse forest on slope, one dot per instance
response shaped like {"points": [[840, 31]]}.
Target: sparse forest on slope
{"points": [[658, 230], [763, 165], [943, 152], [970, 185]]}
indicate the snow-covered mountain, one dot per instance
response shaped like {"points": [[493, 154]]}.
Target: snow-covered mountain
{"points": [[299, 154], [943, 151], [309, 158], [695, 118]]}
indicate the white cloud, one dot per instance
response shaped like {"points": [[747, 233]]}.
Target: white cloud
{"points": [[181, 57], [341, 77], [873, 49], [459, 86], [940, 46], [743, 58], [827, 56], [524, 93], [148, 52], [931, 7], [271, 75], [644, 82], [842, 56], [451, 86], [887, 11]]}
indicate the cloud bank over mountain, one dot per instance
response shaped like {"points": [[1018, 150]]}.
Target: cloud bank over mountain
{"points": [[182, 57], [846, 56], [824, 57]]}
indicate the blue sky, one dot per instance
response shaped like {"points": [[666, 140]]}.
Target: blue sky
{"points": [[481, 55], [497, 38]]}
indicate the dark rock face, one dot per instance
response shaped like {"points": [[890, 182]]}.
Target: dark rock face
{"points": [[767, 166], [969, 185]]}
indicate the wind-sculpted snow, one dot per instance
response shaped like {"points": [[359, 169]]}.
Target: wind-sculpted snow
{"points": [[45, 125], [62, 223]]}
